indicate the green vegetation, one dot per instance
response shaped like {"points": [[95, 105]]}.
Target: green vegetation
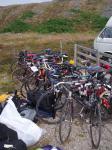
{"points": [[75, 10], [17, 26], [80, 21], [58, 25], [88, 20], [27, 15]]}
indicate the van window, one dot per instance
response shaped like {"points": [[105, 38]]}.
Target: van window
{"points": [[107, 33]]}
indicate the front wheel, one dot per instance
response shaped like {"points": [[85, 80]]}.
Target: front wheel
{"points": [[95, 126], [65, 125]]}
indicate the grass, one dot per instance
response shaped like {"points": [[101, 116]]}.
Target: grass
{"points": [[87, 20], [17, 26], [27, 15], [6, 84], [58, 25], [80, 21]]}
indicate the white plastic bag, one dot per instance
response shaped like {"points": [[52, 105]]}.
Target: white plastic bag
{"points": [[28, 113], [27, 131]]}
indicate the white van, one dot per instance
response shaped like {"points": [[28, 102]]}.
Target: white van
{"points": [[103, 42]]}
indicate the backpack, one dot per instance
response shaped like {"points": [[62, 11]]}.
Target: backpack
{"points": [[42, 100]]}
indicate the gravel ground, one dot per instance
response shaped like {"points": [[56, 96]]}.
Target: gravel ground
{"points": [[79, 139]]}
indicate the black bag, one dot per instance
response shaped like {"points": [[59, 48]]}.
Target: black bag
{"points": [[7, 134], [9, 138], [2, 105], [43, 100], [15, 145]]}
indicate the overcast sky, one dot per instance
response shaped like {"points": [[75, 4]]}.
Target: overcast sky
{"points": [[12, 2]]}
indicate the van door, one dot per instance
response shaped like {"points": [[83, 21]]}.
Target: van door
{"points": [[103, 42]]}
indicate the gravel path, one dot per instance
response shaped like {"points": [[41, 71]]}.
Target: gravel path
{"points": [[79, 139]]}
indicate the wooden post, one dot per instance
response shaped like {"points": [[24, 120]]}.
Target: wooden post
{"points": [[75, 54], [98, 58]]}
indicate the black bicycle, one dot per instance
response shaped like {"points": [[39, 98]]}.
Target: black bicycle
{"points": [[90, 105]]}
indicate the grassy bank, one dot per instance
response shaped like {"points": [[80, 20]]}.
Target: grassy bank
{"points": [[75, 20]]}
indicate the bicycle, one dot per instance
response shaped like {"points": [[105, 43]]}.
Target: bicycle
{"points": [[93, 107]]}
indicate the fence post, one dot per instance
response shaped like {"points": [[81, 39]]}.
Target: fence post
{"points": [[98, 58], [75, 54]]}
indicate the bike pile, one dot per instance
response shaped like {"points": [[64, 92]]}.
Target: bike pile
{"points": [[54, 88]]}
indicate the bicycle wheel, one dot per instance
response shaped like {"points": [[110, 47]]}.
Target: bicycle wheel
{"points": [[32, 83], [23, 90], [65, 125], [95, 126], [18, 74], [15, 65], [60, 101]]}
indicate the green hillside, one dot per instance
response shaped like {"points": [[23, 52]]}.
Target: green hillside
{"points": [[53, 17]]}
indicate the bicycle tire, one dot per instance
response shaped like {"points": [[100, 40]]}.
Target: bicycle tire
{"points": [[95, 115], [23, 90], [19, 74], [66, 118], [15, 65], [32, 83]]}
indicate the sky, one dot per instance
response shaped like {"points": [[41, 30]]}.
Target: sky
{"points": [[12, 2]]}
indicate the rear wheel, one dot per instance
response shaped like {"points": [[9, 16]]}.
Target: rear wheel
{"points": [[95, 126]]}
